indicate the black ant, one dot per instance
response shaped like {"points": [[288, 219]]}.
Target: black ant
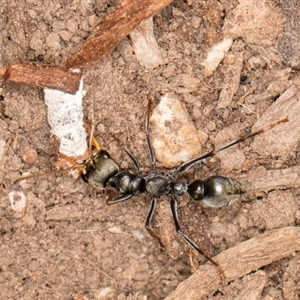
{"points": [[101, 171]]}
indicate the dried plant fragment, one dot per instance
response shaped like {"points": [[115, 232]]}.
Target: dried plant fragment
{"points": [[145, 46], [112, 28], [289, 42], [257, 22], [260, 179], [215, 55], [287, 105], [231, 82], [53, 77]]}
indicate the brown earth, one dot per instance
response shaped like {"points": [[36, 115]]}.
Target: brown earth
{"points": [[70, 244]]}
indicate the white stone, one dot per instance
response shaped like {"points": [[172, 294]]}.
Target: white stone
{"points": [[175, 138], [17, 201]]}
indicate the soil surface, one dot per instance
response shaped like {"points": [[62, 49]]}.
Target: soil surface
{"points": [[69, 244]]}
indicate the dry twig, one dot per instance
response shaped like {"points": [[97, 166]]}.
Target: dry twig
{"points": [[53, 77]]}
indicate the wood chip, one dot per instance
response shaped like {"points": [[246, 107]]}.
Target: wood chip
{"points": [[238, 261], [110, 30], [281, 140], [267, 181], [231, 82], [53, 77]]}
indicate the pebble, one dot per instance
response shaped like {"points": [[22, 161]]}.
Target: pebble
{"points": [[175, 138], [29, 155], [17, 201]]}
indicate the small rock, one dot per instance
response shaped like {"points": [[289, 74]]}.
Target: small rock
{"points": [[115, 229], [29, 155], [17, 201], [175, 138], [105, 293]]}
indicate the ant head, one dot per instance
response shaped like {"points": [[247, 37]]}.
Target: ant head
{"points": [[99, 168]]}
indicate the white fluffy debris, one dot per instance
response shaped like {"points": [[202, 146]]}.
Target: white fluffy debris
{"points": [[2, 152], [2, 149], [65, 117], [216, 55], [146, 49], [17, 201], [174, 136]]}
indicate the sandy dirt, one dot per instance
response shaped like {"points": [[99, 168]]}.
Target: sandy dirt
{"points": [[69, 244]]}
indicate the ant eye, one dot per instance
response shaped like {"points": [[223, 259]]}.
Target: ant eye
{"points": [[103, 154]]}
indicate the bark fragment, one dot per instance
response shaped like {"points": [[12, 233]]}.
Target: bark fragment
{"points": [[54, 77], [239, 261]]}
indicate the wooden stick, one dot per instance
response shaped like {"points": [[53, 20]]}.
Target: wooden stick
{"points": [[41, 75], [238, 261]]}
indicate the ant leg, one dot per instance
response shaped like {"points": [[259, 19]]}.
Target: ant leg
{"points": [[74, 164], [71, 161], [150, 147], [47, 173], [131, 156], [96, 143], [185, 166], [122, 198], [149, 219], [151, 212], [174, 212]]}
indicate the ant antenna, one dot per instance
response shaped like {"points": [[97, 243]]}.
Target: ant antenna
{"points": [[185, 166], [48, 173], [131, 156], [71, 161], [92, 141], [149, 143]]}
